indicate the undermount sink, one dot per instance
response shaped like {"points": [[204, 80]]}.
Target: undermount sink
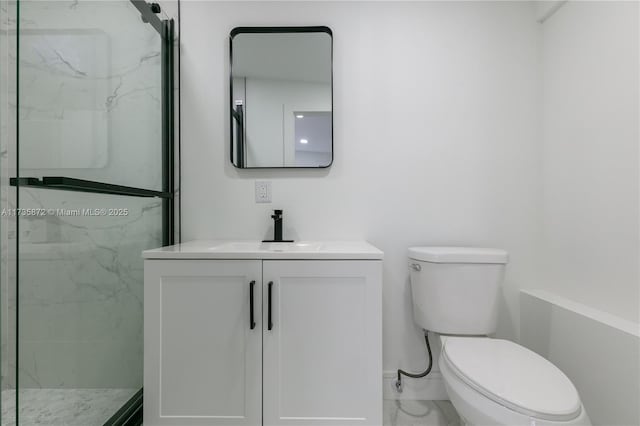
{"points": [[253, 246]]}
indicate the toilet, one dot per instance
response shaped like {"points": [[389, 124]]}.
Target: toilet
{"points": [[489, 381]]}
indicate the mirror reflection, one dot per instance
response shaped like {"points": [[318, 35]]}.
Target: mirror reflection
{"points": [[281, 97]]}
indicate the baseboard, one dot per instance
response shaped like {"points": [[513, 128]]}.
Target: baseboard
{"points": [[428, 388]]}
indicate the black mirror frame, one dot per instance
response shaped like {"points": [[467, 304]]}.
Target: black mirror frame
{"points": [[233, 115]]}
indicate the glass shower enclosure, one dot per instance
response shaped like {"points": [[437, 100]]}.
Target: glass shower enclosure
{"points": [[86, 161]]}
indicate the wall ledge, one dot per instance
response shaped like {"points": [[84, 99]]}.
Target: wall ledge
{"points": [[621, 324]]}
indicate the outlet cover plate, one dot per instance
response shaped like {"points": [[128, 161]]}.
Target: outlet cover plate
{"points": [[263, 191]]}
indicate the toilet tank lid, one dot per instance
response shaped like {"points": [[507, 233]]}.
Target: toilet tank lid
{"points": [[458, 255]]}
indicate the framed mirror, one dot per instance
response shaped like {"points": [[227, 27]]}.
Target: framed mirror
{"points": [[281, 97]]}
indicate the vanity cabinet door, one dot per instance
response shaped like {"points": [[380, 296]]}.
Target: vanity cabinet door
{"points": [[203, 359], [323, 351]]}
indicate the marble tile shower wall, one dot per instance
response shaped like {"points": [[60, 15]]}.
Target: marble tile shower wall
{"points": [[8, 12], [89, 108], [90, 92], [81, 292]]}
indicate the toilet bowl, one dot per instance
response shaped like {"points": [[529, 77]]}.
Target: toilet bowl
{"points": [[498, 382], [489, 381]]}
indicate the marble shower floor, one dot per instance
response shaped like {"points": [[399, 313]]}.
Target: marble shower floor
{"points": [[419, 413], [62, 407]]}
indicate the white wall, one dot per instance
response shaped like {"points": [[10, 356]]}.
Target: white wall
{"points": [[590, 155], [435, 139]]}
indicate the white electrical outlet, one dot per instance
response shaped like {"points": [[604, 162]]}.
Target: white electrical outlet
{"points": [[263, 191]]}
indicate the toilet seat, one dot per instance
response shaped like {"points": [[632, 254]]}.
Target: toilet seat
{"points": [[513, 376]]}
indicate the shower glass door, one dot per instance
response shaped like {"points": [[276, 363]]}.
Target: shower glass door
{"points": [[92, 191]]}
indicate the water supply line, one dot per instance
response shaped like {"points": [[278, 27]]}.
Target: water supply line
{"points": [[416, 375]]}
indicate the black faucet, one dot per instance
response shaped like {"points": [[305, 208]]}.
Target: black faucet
{"points": [[277, 225], [277, 228]]}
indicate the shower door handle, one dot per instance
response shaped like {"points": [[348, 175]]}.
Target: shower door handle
{"points": [[252, 323], [269, 322]]}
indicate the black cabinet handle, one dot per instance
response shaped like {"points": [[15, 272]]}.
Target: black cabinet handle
{"points": [[251, 319], [270, 324]]}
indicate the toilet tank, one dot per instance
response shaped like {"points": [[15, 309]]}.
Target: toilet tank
{"points": [[455, 290]]}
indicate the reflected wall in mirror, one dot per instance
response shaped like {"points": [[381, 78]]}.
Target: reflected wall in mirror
{"points": [[281, 97]]}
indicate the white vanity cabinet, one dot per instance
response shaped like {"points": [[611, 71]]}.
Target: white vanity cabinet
{"points": [[322, 360], [311, 356], [202, 359]]}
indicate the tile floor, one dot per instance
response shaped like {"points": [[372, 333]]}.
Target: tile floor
{"points": [[68, 407], [419, 413], [92, 407]]}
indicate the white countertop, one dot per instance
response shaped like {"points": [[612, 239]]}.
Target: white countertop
{"points": [[229, 249]]}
